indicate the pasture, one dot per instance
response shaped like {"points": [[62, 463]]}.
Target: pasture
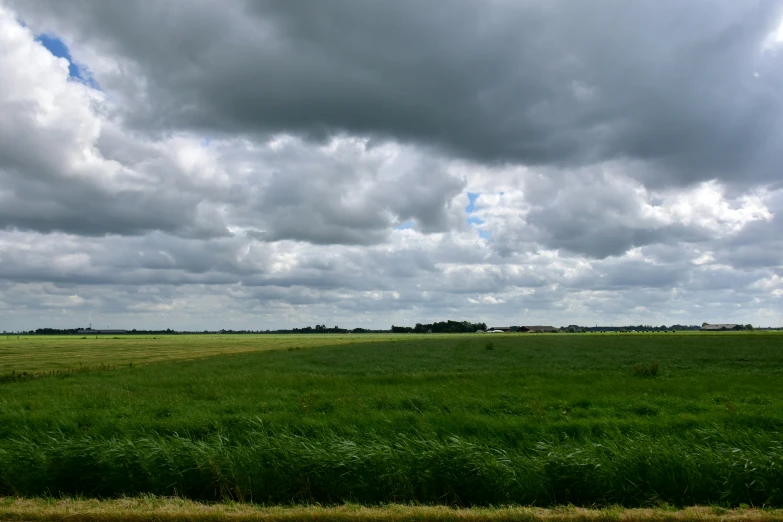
{"points": [[40, 353], [539, 420]]}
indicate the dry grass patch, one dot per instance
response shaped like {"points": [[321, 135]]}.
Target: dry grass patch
{"points": [[176, 510]]}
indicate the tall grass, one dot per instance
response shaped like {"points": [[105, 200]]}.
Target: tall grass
{"points": [[703, 466], [538, 420]]}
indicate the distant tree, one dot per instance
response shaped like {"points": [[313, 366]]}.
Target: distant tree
{"points": [[421, 328]]}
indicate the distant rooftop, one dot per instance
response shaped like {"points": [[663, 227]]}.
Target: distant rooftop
{"points": [[726, 326], [538, 328]]}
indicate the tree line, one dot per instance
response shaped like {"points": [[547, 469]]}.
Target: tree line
{"points": [[441, 327]]}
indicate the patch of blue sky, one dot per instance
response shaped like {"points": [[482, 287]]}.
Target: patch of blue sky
{"points": [[406, 225], [472, 197], [58, 48], [475, 221]]}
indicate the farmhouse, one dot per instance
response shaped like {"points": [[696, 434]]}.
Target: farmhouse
{"points": [[538, 329], [720, 327]]}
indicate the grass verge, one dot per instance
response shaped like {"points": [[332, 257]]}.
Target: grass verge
{"points": [[176, 510]]}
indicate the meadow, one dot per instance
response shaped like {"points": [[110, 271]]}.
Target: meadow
{"points": [[42, 353], [469, 420]]}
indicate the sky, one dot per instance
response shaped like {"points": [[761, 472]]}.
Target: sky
{"points": [[195, 164]]}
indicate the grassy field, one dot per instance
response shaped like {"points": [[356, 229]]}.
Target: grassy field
{"points": [[536, 420], [39, 353]]}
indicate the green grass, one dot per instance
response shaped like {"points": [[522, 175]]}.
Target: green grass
{"points": [[41, 353], [537, 420]]}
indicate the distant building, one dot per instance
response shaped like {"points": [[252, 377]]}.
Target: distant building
{"points": [[721, 327], [104, 332], [538, 329]]}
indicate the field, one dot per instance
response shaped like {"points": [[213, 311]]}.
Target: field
{"points": [[48, 353], [538, 420]]}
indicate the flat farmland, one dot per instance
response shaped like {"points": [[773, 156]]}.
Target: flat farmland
{"points": [[39, 353], [470, 420]]}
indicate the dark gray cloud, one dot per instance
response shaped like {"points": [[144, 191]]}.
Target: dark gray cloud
{"points": [[599, 211], [686, 87], [167, 281], [351, 194], [602, 218], [82, 208], [67, 164]]}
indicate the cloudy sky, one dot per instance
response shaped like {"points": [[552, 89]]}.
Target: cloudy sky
{"points": [[249, 164]]}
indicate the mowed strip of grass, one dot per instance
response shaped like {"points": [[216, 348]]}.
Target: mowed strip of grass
{"points": [[44, 353], [177, 510], [538, 419]]}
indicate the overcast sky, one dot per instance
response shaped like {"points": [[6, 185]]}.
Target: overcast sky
{"points": [[258, 165]]}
